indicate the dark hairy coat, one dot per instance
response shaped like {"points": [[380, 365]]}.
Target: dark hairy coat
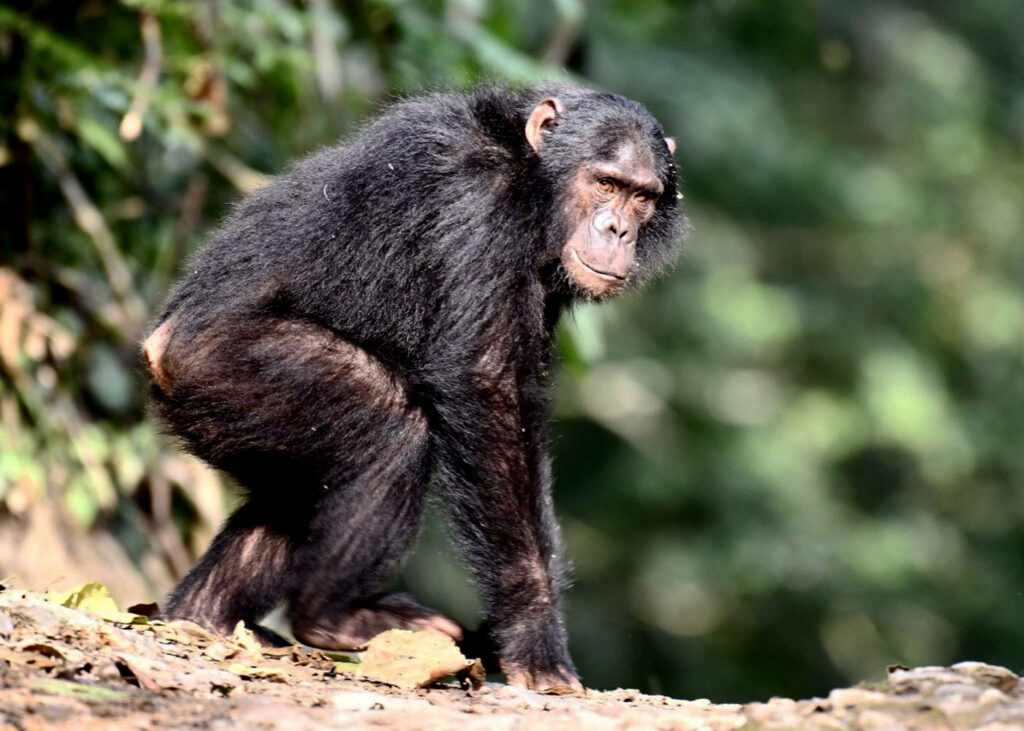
{"points": [[378, 318]]}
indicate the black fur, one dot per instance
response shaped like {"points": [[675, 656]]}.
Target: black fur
{"points": [[380, 317]]}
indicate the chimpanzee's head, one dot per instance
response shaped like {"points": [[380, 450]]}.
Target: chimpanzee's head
{"points": [[619, 207]]}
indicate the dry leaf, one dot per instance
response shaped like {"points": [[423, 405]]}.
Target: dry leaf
{"points": [[142, 669], [148, 610], [188, 632], [292, 652], [43, 648], [473, 676], [94, 597], [56, 654], [266, 673], [411, 659], [112, 637], [246, 640], [29, 658], [219, 651], [559, 690]]}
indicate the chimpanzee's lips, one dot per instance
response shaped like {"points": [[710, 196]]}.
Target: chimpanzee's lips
{"points": [[604, 275]]}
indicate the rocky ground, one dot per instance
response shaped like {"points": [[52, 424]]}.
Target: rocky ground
{"points": [[75, 662]]}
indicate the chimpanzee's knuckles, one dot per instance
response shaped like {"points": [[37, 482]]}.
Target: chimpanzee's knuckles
{"points": [[558, 679], [538, 662]]}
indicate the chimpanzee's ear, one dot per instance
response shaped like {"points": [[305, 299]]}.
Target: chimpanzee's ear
{"points": [[540, 118], [671, 142]]}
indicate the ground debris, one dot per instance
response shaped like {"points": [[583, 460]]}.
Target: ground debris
{"points": [[88, 665], [411, 659]]}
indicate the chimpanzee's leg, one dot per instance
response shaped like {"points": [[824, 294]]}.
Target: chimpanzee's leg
{"points": [[357, 538], [334, 458], [241, 575], [490, 428]]}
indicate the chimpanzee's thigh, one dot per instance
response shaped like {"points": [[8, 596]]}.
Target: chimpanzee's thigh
{"points": [[283, 403], [325, 441]]}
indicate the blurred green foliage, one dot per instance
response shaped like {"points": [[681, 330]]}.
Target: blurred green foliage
{"points": [[797, 460]]}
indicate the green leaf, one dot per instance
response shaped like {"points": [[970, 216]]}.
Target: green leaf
{"points": [[103, 140], [79, 690]]}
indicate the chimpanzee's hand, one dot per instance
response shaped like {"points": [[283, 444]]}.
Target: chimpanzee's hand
{"points": [[535, 656], [555, 680]]}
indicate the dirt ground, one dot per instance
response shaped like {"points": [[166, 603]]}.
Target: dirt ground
{"points": [[70, 668]]}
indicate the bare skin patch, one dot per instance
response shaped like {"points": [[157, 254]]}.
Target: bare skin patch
{"points": [[610, 202], [263, 548], [153, 350]]}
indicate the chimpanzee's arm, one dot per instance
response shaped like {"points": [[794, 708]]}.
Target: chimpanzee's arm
{"points": [[492, 441]]}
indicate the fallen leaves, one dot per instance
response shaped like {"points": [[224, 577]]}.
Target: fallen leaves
{"points": [[249, 671], [415, 660], [147, 673], [94, 597], [246, 641], [77, 690], [140, 650], [65, 668]]}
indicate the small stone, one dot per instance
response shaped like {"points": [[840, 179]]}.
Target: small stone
{"points": [[727, 707], [993, 675], [958, 692], [856, 697], [762, 713], [523, 698], [992, 695], [921, 680], [6, 625], [878, 720], [365, 701]]}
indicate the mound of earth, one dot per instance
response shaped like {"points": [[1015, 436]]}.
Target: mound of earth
{"points": [[73, 661]]}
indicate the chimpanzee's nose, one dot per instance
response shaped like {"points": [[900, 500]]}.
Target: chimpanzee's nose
{"points": [[616, 226]]}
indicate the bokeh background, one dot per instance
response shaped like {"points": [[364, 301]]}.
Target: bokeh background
{"points": [[798, 459]]}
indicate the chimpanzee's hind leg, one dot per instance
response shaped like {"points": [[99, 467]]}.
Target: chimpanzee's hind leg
{"points": [[335, 460], [242, 575]]}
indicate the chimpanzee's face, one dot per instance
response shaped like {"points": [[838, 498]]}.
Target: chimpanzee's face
{"points": [[611, 202], [611, 196]]}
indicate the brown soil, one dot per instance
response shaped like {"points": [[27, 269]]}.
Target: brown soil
{"points": [[63, 668]]}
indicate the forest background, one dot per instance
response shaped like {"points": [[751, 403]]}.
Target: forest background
{"points": [[795, 461]]}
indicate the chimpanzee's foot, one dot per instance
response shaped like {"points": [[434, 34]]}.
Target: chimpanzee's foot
{"points": [[357, 625]]}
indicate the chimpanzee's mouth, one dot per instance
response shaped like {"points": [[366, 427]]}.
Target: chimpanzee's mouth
{"points": [[604, 275]]}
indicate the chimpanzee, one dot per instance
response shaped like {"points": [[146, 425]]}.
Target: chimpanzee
{"points": [[380, 318]]}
